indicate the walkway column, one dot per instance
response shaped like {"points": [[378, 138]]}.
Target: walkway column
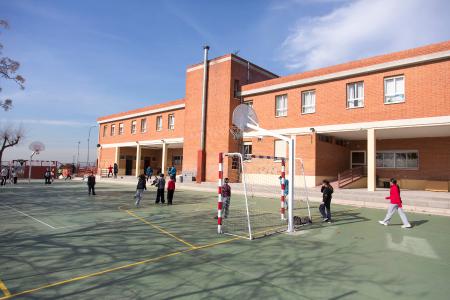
{"points": [[164, 158], [371, 160], [117, 158], [138, 160]]}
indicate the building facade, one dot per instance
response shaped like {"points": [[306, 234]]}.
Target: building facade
{"points": [[381, 117]]}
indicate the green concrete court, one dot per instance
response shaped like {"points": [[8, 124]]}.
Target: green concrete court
{"points": [[57, 242]]}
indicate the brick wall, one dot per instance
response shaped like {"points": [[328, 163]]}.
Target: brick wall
{"points": [[151, 133], [426, 95], [434, 157]]}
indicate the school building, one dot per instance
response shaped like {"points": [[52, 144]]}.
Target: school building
{"points": [[359, 123]]}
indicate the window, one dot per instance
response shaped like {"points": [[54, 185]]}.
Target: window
{"points": [[113, 129], [281, 106], [398, 159], [158, 123], [105, 130], [120, 128], [394, 90], [235, 163], [247, 150], [249, 103], [280, 148], [171, 122], [308, 102], [355, 94], [143, 125], [236, 88], [133, 127], [325, 138], [177, 160]]}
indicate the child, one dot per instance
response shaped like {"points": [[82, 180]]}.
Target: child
{"points": [[396, 205], [160, 185], [110, 168], [141, 186], [170, 190], [91, 183], [226, 195], [47, 176], [149, 172], [327, 191]]}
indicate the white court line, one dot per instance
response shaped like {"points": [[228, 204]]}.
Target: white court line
{"points": [[96, 223], [21, 212]]}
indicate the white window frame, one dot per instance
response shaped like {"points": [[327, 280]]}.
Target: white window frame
{"points": [[358, 164], [304, 107], [144, 125], [395, 152], [121, 128], [113, 130], [246, 144], [133, 127], [360, 98], [171, 122], [275, 149], [394, 78], [159, 123], [281, 112]]}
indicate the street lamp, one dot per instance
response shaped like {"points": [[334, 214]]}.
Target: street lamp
{"points": [[78, 155], [89, 137]]}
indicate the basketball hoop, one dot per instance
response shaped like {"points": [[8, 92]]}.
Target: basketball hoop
{"points": [[236, 132], [36, 147]]}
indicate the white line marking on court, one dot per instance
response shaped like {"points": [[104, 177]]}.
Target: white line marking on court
{"points": [[95, 223], [21, 212]]}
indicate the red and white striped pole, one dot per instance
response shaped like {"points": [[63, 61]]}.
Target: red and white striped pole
{"points": [[219, 194], [283, 187]]}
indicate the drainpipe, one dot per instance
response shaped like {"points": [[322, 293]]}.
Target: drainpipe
{"points": [[201, 153]]}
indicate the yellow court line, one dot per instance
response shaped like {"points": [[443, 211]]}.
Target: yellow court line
{"points": [[81, 277], [160, 229], [4, 289]]}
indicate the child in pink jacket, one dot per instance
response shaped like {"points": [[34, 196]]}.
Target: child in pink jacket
{"points": [[396, 205]]}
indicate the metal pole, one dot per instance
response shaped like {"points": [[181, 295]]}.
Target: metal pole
{"points": [[78, 156], [89, 137], [29, 169], [291, 183], [205, 78]]}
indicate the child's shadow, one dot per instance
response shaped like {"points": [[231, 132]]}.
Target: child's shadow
{"points": [[418, 223]]}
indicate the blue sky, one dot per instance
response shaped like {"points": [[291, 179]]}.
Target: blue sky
{"points": [[83, 59]]}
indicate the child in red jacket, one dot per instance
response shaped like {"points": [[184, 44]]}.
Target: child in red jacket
{"points": [[396, 205], [170, 190]]}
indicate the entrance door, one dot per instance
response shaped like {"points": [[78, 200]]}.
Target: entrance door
{"points": [[357, 159], [128, 166]]}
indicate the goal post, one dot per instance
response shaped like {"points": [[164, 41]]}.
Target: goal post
{"points": [[258, 195]]}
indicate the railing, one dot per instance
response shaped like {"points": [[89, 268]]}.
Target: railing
{"points": [[349, 176]]}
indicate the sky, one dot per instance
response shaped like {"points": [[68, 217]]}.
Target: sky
{"points": [[84, 59]]}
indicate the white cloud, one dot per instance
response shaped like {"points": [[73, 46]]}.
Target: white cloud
{"points": [[365, 28]]}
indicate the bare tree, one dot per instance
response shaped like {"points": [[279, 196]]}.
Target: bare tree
{"points": [[8, 69], [9, 137]]}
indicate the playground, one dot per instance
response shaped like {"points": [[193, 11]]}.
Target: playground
{"points": [[58, 242]]}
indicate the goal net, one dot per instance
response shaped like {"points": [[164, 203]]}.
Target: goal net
{"points": [[258, 202]]}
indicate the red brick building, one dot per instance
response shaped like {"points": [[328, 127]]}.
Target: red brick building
{"points": [[389, 114]]}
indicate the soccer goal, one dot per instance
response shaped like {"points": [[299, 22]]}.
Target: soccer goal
{"points": [[256, 179], [257, 205]]}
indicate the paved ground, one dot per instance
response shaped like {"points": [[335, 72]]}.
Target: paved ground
{"points": [[57, 242]]}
